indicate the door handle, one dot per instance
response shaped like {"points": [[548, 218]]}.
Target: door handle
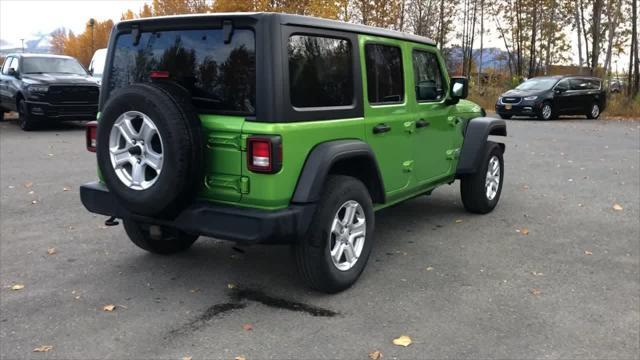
{"points": [[422, 123], [381, 128]]}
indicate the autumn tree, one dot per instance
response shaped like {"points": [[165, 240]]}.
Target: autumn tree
{"points": [[82, 46]]}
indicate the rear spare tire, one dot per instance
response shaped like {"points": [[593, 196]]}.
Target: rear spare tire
{"points": [[149, 148]]}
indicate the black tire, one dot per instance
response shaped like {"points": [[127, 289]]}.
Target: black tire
{"points": [[472, 187], [2, 111], [179, 127], [313, 253], [505, 117], [593, 113], [25, 121], [552, 114], [165, 241]]}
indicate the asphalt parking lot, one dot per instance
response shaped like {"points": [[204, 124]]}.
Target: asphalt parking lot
{"points": [[553, 272]]}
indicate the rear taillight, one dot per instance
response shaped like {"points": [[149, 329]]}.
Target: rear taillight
{"points": [[92, 135], [264, 154]]}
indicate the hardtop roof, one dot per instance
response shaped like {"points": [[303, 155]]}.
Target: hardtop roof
{"points": [[300, 20]]}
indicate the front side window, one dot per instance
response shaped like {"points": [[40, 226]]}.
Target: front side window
{"points": [[385, 82], [6, 65], [427, 77], [220, 77], [579, 84], [320, 71], [563, 85], [39, 65]]}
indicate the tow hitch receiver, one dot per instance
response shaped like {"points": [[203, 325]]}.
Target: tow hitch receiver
{"points": [[111, 221]]}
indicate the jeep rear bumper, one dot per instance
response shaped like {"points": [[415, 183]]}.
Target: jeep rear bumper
{"points": [[208, 219]]}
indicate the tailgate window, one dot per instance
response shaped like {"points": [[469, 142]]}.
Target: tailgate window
{"points": [[221, 77]]}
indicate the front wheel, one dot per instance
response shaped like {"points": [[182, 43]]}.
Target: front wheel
{"points": [[546, 112], [333, 254], [156, 239], [594, 113], [481, 191], [24, 120]]}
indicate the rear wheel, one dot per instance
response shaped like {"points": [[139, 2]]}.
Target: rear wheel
{"points": [[594, 113], [335, 250], [481, 191], [157, 239], [24, 119]]}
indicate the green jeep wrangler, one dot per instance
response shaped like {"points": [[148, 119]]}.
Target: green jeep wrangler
{"points": [[274, 128]]}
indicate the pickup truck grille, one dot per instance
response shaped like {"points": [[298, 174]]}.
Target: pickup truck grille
{"points": [[73, 94], [511, 100]]}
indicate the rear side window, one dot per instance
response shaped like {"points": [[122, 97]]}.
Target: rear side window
{"points": [[221, 77], [428, 78], [385, 82], [320, 71]]}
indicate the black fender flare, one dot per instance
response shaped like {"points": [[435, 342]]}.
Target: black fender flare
{"points": [[325, 155], [475, 139]]}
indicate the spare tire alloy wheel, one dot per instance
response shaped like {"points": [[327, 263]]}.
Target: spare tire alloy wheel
{"points": [[136, 150], [348, 234]]}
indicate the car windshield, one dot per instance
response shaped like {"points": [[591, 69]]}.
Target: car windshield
{"points": [[537, 84], [36, 65]]}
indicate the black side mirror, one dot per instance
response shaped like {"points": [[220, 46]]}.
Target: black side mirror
{"points": [[560, 90], [12, 72], [459, 89]]}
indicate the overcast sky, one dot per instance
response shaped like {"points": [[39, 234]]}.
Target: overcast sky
{"points": [[25, 19]]}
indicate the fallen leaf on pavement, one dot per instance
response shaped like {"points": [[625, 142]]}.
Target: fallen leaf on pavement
{"points": [[240, 358], [43, 348], [34, 202], [524, 231], [16, 287], [109, 307], [247, 327], [429, 268], [51, 251], [231, 286], [458, 221], [375, 355], [403, 340], [535, 291], [186, 358], [65, 189], [28, 184], [534, 273], [617, 207], [194, 290], [587, 252]]}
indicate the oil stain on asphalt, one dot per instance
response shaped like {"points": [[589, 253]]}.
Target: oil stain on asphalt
{"points": [[238, 300]]}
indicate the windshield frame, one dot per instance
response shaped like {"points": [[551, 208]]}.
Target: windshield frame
{"points": [[539, 80], [24, 60]]}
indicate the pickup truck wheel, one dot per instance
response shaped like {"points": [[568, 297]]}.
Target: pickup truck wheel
{"points": [[150, 148], [160, 240], [24, 120], [338, 243], [481, 191]]}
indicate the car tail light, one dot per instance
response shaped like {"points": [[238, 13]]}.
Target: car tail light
{"points": [[92, 135], [158, 74], [264, 154]]}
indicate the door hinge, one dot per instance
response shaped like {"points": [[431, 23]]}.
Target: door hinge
{"points": [[225, 140], [453, 154], [407, 166], [239, 184]]}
